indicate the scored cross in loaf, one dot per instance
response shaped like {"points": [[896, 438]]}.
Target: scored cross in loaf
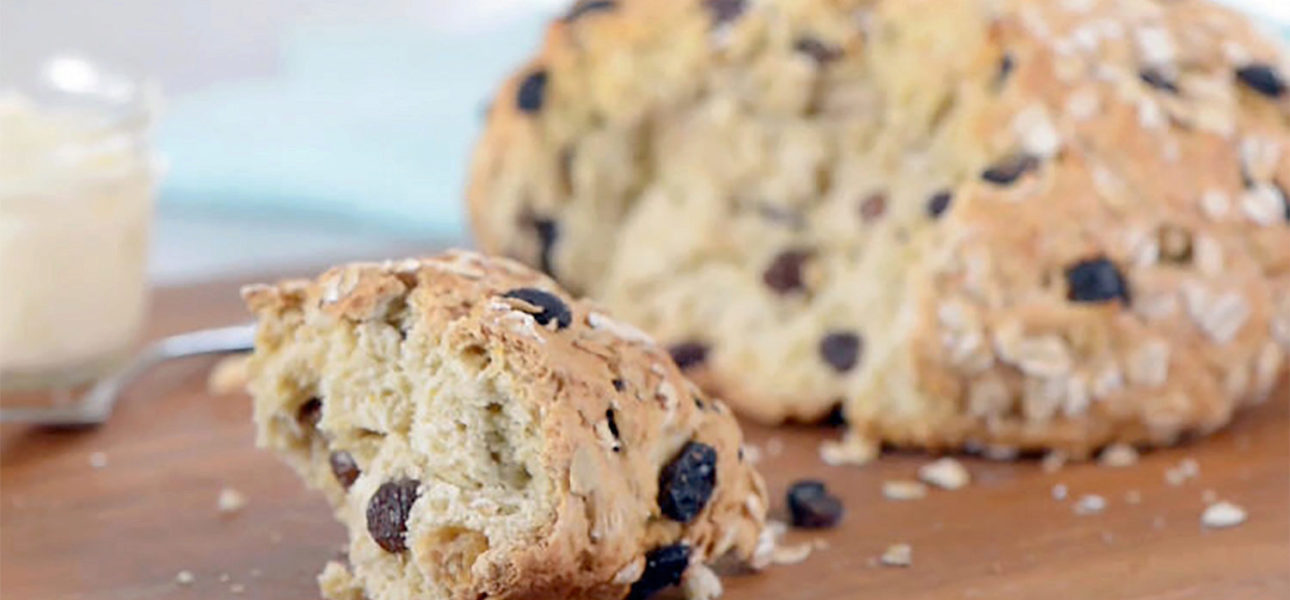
{"points": [[1000, 224], [481, 434]]}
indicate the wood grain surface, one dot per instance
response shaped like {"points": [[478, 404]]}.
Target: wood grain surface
{"points": [[123, 531]]}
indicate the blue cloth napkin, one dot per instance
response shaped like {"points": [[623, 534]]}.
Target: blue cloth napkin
{"points": [[366, 123]]}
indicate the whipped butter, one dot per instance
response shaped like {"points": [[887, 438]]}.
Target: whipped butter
{"points": [[76, 198]]}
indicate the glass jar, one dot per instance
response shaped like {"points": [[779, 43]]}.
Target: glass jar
{"points": [[77, 185]]}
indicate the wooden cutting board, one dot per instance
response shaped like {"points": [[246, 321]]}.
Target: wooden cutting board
{"points": [[123, 531]]}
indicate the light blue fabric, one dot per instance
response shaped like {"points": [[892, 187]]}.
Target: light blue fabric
{"points": [[367, 123]]}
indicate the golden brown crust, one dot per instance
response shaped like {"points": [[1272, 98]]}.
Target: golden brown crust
{"points": [[598, 514]]}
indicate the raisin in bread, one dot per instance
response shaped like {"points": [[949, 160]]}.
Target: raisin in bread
{"points": [[481, 434], [1006, 224]]}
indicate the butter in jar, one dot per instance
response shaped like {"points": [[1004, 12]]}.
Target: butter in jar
{"points": [[77, 186]]}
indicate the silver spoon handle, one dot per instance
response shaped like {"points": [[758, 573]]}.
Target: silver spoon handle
{"points": [[96, 405]]}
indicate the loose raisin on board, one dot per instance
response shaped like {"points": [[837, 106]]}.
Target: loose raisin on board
{"points": [[812, 506]]}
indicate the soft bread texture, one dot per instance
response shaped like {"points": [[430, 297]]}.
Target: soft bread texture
{"points": [[535, 429], [995, 224]]}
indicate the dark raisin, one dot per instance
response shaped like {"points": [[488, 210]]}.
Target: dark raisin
{"points": [[613, 425], [310, 413], [873, 207], [837, 418], [1175, 244], [1262, 79], [685, 484], [585, 7], [1006, 66], [1009, 169], [1095, 280], [937, 204], [818, 50], [552, 307], [1158, 79], [548, 232], [619, 384], [811, 505], [724, 11], [532, 92], [688, 354], [841, 349], [698, 403], [784, 274], [388, 511], [344, 468], [664, 567], [1285, 199]]}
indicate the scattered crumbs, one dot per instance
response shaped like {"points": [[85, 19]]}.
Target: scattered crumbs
{"points": [[945, 473], [1222, 514], [897, 555], [852, 450], [185, 577], [1060, 492], [229, 375], [1158, 522], [1108, 538], [1133, 497], [98, 459], [236, 588], [903, 489], [1090, 504], [1054, 461], [752, 453], [1209, 496], [1185, 470], [1118, 455], [224, 578], [791, 554], [774, 446], [767, 543], [700, 583], [230, 501]]}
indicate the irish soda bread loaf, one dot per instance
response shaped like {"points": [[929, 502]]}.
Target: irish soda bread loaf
{"points": [[1003, 224], [482, 435]]}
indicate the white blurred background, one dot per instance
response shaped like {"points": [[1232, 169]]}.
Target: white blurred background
{"points": [[301, 132]]}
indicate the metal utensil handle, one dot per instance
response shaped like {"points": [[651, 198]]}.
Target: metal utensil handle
{"points": [[96, 405]]}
